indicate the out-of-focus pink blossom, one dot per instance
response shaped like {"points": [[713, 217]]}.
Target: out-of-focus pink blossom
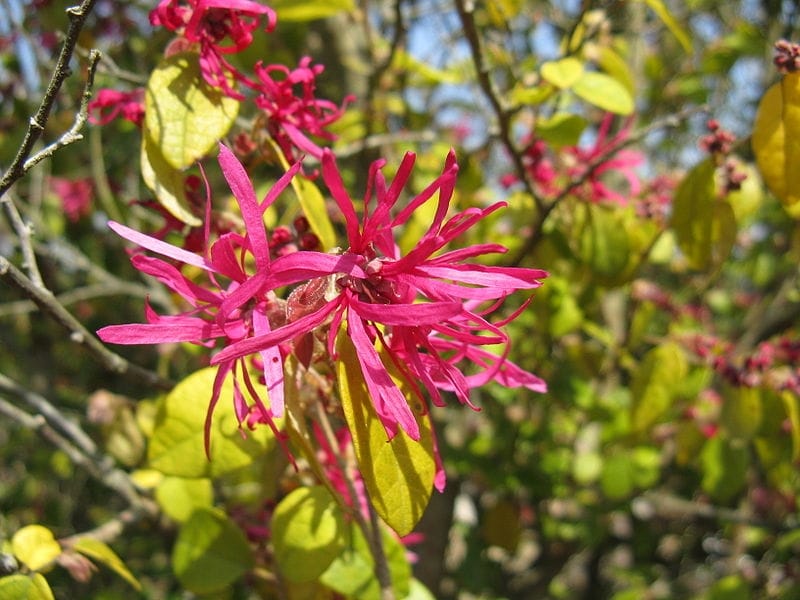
{"points": [[288, 98], [75, 195], [110, 104], [216, 28]]}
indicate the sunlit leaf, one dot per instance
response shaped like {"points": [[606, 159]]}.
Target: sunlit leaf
{"points": [[165, 181], [307, 532], [178, 497], [24, 587], [562, 73], [776, 141], [792, 404], [310, 10], [177, 445], [102, 553], [561, 129], [398, 474], [658, 7], [210, 553], [36, 546], [605, 92], [613, 64], [741, 411], [184, 116]]}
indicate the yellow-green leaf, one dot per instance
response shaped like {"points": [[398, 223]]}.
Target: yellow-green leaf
{"points": [[658, 7], [184, 116], [776, 141], [211, 552], [604, 243], [102, 553], [742, 411], [36, 546], [307, 533], [179, 497], [24, 587], [398, 474], [704, 225], [310, 10], [652, 387], [165, 181], [613, 64], [562, 73], [605, 92], [561, 129], [177, 445], [792, 404], [313, 205]]}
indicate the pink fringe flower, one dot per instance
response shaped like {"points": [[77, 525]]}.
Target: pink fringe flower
{"points": [[110, 104]]}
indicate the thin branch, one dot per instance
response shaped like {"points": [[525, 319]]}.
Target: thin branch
{"points": [[47, 302], [77, 16], [90, 292], [502, 111]]}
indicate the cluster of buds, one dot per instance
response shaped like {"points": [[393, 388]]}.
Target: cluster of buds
{"points": [[787, 56], [719, 141]]}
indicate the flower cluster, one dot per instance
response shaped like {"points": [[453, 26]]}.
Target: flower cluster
{"points": [[110, 104], [427, 310]]}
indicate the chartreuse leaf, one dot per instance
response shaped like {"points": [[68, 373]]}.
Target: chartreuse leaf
{"points": [[561, 129], [312, 203], [307, 533], [35, 546], [184, 116], [178, 497], [165, 181], [732, 587], [310, 10], [605, 92], [792, 405], [613, 64], [352, 574], [604, 243], [177, 445], [653, 384], [562, 73], [24, 587], [102, 553], [397, 473], [210, 553], [724, 463], [658, 7], [742, 411], [776, 141], [704, 225]]}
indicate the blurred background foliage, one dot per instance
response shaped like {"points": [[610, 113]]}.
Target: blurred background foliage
{"points": [[662, 462]]}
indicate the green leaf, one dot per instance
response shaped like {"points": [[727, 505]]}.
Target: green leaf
{"points": [[776, 141], [561, 129], [617, 477], [177, 445], [604, 242], [613, 64], [724, 468], [310, 10], [562, 73], [418, 591], [653, 384], [184, 116], [178, 497], [792, 404], [210, 553], [731, 587], [307, 533], [605, 92], [24, 587], [658, 7], [352, 574], [398, 474], [36, 546], [165, 181], [102, 553], [705, 226]]}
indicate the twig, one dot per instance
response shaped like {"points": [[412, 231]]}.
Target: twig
{"points": [[502, 112], [113, 528], [20, 164], [47, 302], [90, 292]]}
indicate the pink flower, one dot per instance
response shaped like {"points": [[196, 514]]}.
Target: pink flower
{"points": [[293, 111], [207, 24], [110, 104], [614, 162], [427, 309], [75, 195]]}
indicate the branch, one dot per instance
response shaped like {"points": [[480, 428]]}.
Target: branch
{"points": [[502, 112], [20, 164], [46, 301]]}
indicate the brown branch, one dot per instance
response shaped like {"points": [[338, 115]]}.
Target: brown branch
{"points": [[48, 303]]}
